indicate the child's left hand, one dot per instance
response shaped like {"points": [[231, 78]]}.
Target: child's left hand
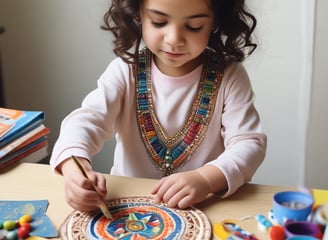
{"points": [[182, 189]]}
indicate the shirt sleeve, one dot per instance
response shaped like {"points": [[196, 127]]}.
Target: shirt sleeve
{"points": [[84, 131], [244, 141]]}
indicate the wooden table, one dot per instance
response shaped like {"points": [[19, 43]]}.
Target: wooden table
{"points": [[28, 181]]}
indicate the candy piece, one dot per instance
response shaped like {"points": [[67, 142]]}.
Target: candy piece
{"points": [[25, 219], [23, 232], [9, 225], [28, 226], [11, 235], [277, 232]]}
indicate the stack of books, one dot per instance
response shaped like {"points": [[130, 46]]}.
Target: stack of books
{"points": [[23, 136]]}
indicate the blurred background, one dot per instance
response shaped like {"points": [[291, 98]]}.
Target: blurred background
{"points": [[52, 53]]}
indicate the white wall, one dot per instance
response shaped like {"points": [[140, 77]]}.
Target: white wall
{"points": [[52, 54], [317, 148], [57, 48], [279, 75]]}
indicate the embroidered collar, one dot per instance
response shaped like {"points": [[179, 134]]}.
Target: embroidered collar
{"points": [[170, 154]]}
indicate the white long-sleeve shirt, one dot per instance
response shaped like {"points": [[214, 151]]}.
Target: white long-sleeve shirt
{"points": [[234, 141]]}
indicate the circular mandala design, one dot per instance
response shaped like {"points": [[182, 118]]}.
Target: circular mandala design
{"points": [[137, 218]]}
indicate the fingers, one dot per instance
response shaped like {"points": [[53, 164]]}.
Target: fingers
{"points": [[177, 199], [185, 202], [82, 193], [98, 183], [171, 192], [180, 196], [82, 199], [181, 189]]}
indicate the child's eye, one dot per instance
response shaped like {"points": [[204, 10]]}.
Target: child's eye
{"points": [[158, 24], [193, 29]]}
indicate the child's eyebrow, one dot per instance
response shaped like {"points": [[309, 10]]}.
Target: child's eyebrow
{"points": [[200, 15]]}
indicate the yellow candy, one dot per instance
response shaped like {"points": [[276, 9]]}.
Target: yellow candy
{"points": [[25, 219], [9, 225]]}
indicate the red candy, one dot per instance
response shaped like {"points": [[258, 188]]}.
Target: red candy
{"points": [[23, 232], [24, 229], [28, 226], [277, 233]]}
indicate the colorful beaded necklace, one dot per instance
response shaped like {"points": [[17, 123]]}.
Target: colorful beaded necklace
{"points": [[170, 154]]}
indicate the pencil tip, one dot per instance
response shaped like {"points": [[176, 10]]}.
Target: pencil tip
{"points": [[108, 215], [105, 211]]}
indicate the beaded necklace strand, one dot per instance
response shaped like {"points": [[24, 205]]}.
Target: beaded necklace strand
{"points": [[170, 154]]}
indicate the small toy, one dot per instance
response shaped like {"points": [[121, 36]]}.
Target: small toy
{"points": [[262, 222]]}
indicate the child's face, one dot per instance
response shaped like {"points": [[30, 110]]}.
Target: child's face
{"points": [[177, 32]]}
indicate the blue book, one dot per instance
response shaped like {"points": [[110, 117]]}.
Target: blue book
{"points": [[23, 152], [15, 123]]}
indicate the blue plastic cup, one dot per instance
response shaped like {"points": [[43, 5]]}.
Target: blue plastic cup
{"points": [[291, 205]]}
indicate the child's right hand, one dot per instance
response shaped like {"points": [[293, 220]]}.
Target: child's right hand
{"points": [[83, 193]]}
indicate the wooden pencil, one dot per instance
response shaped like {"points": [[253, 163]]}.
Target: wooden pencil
{"points": [[103, 207]]}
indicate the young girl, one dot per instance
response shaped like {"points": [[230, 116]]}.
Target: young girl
{"points": [[181, 108]]}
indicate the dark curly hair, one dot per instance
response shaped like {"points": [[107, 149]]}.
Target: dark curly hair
{"points": [[231, 41]]}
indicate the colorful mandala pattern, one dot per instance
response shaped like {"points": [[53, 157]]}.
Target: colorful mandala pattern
{"points": [[137, 218], [137, 221]]}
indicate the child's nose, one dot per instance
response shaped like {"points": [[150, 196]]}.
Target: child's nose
{"points": [[174, 36]]}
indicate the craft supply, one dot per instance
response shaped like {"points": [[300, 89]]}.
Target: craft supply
{"points": [[302, 238], [320, 196], [291, 205], [262, 222], [229, 229], [320, 215], [137, 217], [220, 232], [302, 228], [103, 207]]}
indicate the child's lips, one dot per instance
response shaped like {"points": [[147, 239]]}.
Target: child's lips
{"points": [[174, 54]]}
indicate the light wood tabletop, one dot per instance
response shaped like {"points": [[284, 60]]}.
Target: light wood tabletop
{"points": [[30, 181]]}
